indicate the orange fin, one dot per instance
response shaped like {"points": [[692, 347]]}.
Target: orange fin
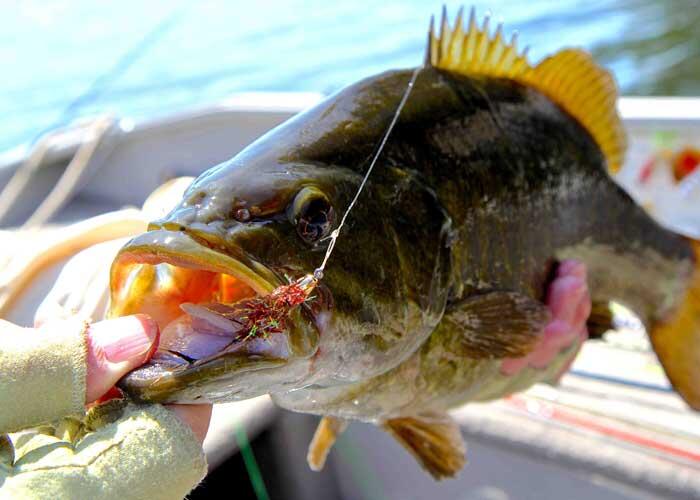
{"points": [[570, 78], [434, 439], [328, 430], [676, 341]]}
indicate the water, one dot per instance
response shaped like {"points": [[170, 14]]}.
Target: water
{"points": [[65, 59]]}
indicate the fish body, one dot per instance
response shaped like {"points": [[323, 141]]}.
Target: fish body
{"points": [[513, 205], [488, 181]]}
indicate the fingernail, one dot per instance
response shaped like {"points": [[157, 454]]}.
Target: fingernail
{"points": [[572, 268], [564, 296], [123, 339]]}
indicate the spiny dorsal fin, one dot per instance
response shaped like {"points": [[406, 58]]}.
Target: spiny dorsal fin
{"points": [[474, 51], [570, 77]]}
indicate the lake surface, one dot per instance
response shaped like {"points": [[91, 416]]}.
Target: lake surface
{"points": [[66, 59]]}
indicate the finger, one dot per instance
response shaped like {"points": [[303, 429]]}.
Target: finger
{"points": [[115, 347], [565, 295], [571, 267], [197, 417]]}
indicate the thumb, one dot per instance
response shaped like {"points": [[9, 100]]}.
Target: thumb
{"points": [[114, 348]]}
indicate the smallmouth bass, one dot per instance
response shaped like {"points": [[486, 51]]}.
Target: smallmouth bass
{"points": [[496, 172]]}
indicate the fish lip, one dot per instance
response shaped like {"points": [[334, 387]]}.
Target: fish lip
{"points": [[183, 250]]}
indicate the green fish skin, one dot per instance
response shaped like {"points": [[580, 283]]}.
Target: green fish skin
{"points": [[522, 186], [484, 185]]}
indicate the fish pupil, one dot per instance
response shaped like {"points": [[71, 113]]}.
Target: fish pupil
{"points": [[315, 220], [242, 215]]}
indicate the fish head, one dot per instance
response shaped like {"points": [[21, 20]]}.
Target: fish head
{"points": [[262, 220], [239, 232]]}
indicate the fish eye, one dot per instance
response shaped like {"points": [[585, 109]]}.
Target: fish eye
{"points": [[312, 214]]}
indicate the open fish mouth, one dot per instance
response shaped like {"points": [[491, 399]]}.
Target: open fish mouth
{"points": [[191, 291]]}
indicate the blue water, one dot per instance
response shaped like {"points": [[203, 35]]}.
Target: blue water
{"points": [[65, 59]]}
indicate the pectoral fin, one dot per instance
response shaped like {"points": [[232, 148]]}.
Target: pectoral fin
{"points": [[434, 439], [328, 430], [496, 325]]}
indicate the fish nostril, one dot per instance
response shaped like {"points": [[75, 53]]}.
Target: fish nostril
{"points": [[196, 198]]}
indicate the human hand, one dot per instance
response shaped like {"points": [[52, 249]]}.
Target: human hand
{"points": [[50, 372], [569, 303], [117, 346]]}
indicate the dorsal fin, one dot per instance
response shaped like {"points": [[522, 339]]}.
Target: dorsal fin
{"points": [[570, 77], [473, 51]]}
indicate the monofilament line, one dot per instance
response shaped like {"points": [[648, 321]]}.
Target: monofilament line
{"points": [[318, 273]]}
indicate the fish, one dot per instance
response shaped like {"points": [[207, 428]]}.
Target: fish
{"points": [[496, 173]]}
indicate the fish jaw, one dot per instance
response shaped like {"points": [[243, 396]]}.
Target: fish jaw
{"points": [[181, 282]]}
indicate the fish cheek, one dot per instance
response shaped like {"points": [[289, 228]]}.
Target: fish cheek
{"points": [[369, 313], [374, 322]]}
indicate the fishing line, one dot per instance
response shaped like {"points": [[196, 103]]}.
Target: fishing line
{"points": [[287, 296], [318, 272]]}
